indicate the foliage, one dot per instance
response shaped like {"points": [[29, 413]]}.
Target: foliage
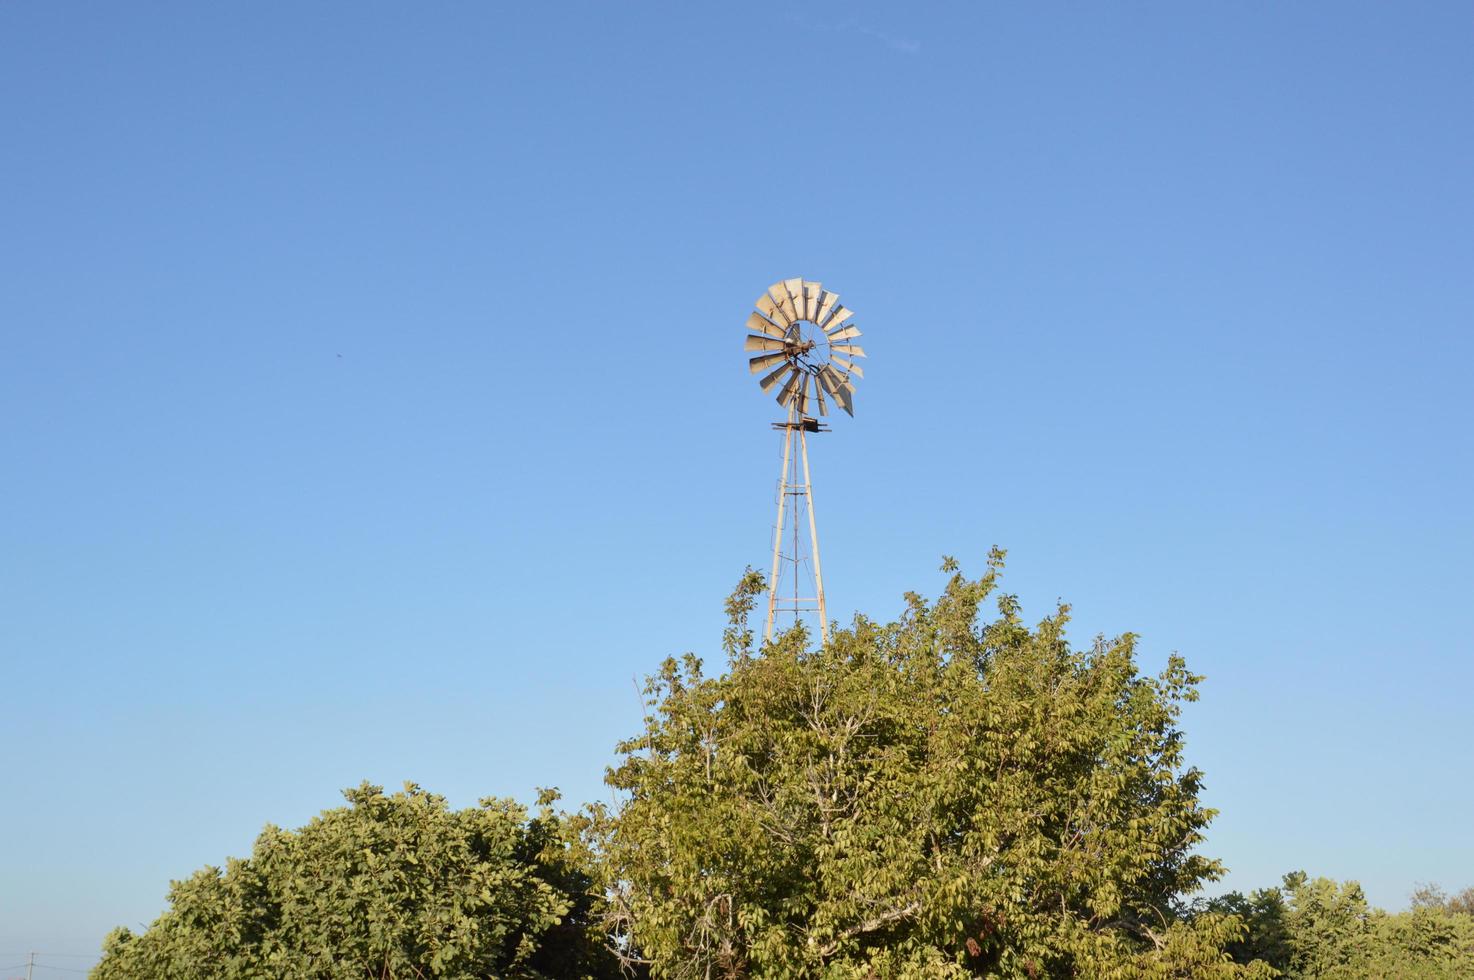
{"points": [[1318, 929], [933, 797], [1266, 936], [390, 886], [1433, 897]]}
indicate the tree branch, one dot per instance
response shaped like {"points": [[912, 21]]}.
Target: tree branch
{"points": [[869, 925]]}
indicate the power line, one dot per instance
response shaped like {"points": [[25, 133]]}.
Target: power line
{"points": [[32, 963]]}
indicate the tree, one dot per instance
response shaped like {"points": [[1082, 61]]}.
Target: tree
{"points": [[1433, 897], [1266, 935], [1319, 929], [933, 797], [390, 886], [1462, 903], [1329, 925]]}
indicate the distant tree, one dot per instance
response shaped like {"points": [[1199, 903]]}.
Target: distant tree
{"points": [[1329, 925], [1462, 903], [1319, 929], [1431, 896], [1428, 896], [390, 886], [1267, 936], [934, 797]]}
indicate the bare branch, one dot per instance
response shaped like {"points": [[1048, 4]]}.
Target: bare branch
{"points": [[870, 925]]}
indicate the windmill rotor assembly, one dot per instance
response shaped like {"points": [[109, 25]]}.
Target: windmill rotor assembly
{"points": [[802, 337]]}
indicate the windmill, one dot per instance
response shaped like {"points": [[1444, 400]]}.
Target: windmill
{"points": [[803, 338]]}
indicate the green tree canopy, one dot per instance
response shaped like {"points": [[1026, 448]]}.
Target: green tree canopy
{"points": [[390, 886], [1320, 929], [937, 796]]}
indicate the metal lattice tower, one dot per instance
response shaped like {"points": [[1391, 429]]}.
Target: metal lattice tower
{"points": [[803, 334], [795, 494]]}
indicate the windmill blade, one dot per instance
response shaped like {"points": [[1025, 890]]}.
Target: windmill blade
{"points": [[793, 290], [763, 362], [829, 378], [758, 323], [838, 316], [772, 379], [801, 396], [845, 396], [768, 307], [826, 303], [854, 350], [779, 295], [790, 387], [846, 333], [849, 367], [763, 343], [812, 292], [819, 394], [840, 388]]}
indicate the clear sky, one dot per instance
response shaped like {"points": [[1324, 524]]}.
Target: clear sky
{"points": [[372, 400]]}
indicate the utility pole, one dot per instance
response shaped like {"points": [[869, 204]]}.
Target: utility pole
{"points": [[30, 964]]}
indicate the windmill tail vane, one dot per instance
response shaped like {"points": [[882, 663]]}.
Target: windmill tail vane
{"points": [[803, 340]]}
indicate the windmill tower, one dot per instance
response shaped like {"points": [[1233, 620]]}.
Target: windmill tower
{"points": [[803, 335]]}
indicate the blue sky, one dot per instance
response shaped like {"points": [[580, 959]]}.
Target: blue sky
{"points": [[374, 405]]}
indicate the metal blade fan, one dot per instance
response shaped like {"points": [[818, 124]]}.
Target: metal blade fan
{"points": [[802, 336]]}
